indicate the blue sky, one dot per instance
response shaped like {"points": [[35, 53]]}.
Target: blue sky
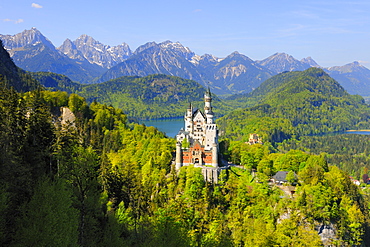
{"points": [[331, 32]]}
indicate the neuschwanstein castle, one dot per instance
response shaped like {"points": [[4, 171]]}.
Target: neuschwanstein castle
{"points": [[197, 143]]}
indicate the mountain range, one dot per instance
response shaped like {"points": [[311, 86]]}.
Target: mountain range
{"points": [[88, 61]]}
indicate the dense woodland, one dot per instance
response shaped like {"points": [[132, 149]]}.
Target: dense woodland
{"points": [[295, 104], [100, 180], [349, 152]]}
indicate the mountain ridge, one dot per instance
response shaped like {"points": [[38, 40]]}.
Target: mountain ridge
{"points": [[32, 51], [88, 61], [86, 47]]}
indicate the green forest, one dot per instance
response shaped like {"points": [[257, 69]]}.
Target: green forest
{"points": [[149, 97], [347, 151], [75, 172], [102, 181], [295, 104]]}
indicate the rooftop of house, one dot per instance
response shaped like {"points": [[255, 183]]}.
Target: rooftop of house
{"points": [[280, 176]]}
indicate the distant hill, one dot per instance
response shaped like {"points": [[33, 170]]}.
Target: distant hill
{"points": [[154, 96], [13, 76], [298, 103], [54, 82]]}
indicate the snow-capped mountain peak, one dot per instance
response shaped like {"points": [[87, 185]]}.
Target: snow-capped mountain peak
{"points": [[86, 47]]}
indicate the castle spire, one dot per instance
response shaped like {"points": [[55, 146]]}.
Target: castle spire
{"points": [[189, 118], [208, 92], [190, 106]]}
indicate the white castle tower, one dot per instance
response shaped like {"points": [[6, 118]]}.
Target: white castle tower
{"points": [[211, 128]]}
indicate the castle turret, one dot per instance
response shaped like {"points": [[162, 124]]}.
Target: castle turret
{"points": [[208, 106], [214, 155], [189, 119], [178, 161]]}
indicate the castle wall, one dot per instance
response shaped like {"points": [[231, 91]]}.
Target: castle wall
{"points": [[197, 155], [210, 136]]}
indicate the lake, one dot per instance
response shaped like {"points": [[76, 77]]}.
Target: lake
{"points": [[169, 126], [358, 132], [172, 126]]}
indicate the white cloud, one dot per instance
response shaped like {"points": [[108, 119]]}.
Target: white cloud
{"points": [[35, 5], [197, 10], [15, 21]]}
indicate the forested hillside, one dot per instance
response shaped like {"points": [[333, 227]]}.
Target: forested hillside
{"points": [[350, 152], [103, 181], [56, 82], [154, 96], [100, 160], [14, 76], [297, 103]]}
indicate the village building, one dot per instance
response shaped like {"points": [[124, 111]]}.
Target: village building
{"points": [[280, 177], [197, 142], [254, 139]]}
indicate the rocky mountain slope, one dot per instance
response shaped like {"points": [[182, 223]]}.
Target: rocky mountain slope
{"points": [[27, 37], [87, 48], [354, 77], [234, 74], [280, 62], [152, 58], [32, 51]]}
